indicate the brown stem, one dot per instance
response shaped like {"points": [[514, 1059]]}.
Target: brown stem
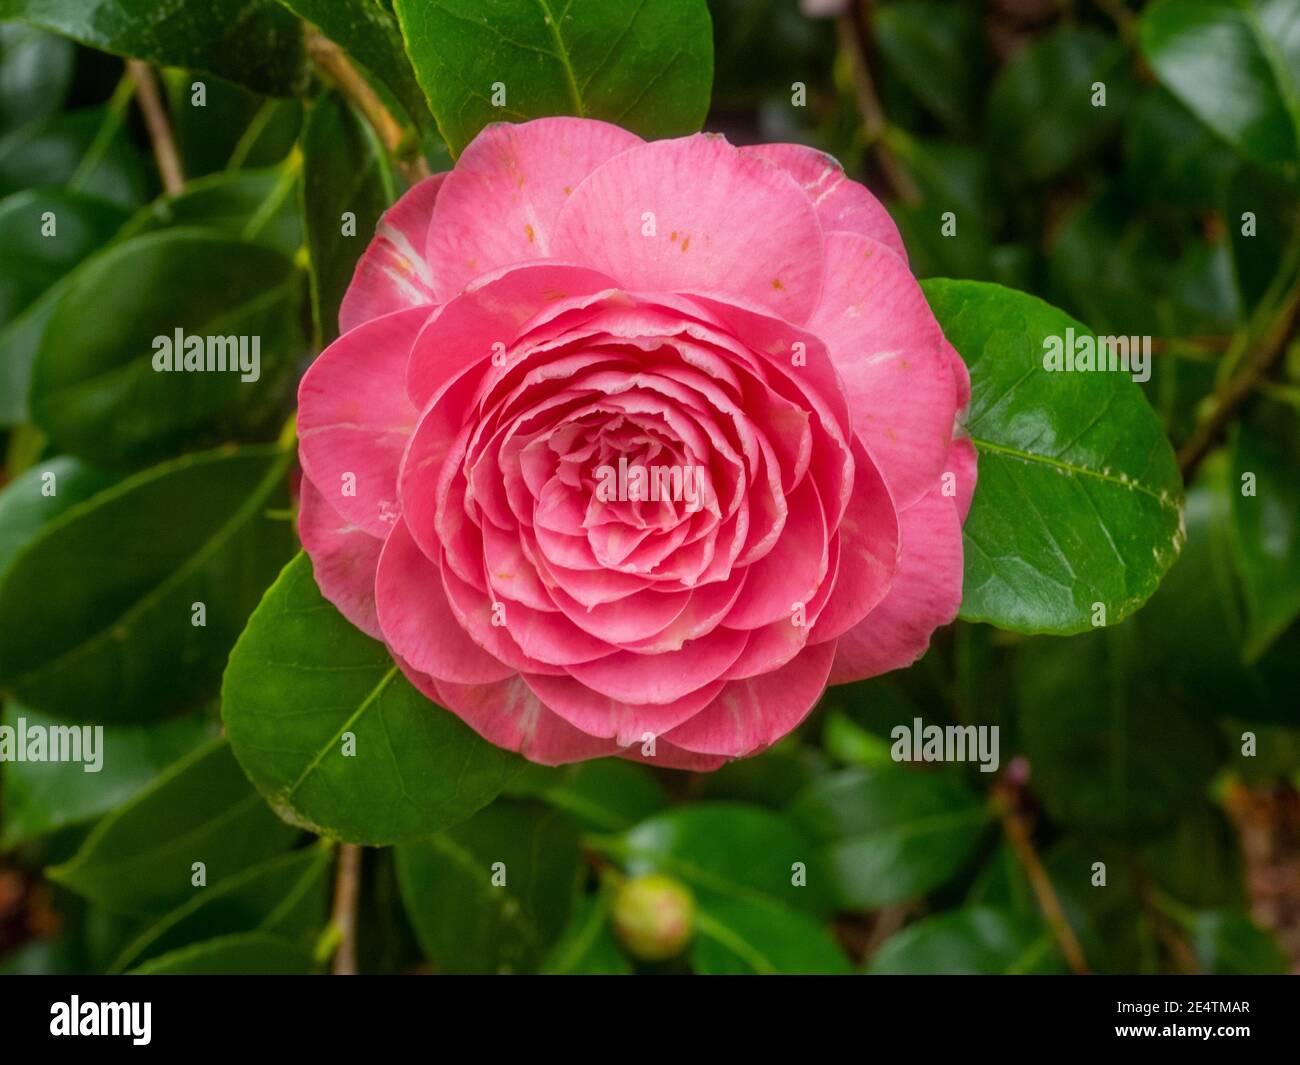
{"points": [[854, 40], [347, 890], [1177, 947], [329, 58], [160, 130], [1018, 834], [1239, 388]]}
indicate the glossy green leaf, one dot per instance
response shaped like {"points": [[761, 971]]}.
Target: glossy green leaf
{"points": [[95, 389], [603, 795], [254, 42], [971, 942], [244, 204], [52, 150], [347, 185], [1079, 500], [44, 234], [300, 680], [368, 31], [1266, 522], [39, 495], [245, 954], [1040, 109], [647, 67], [287, 895], [1236, 65], [117, 578], [35, 74], [587, 947], [934, 49], [43, 797], [220, 126], [140, 858], [743, 936], [730, 851], [1111, 753], [491, 894], [890, 834]]}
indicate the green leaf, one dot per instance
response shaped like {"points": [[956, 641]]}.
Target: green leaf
{"points": [[368, 32], [39, 495], [1111, 753], [35, 74], [935, 50], [729, 851], [466, 919], [227, 127], [42, 797], [300, 679], [742, 936], [647, 67], [95, 389], [254, 42], [1079, 500], [51, 151], [245, 954], [139, 859], [286, 895], [1262, 213], [1230, 944], [117, 578], [890, 834], [977, 941], [1170, 157], [345, 170], [587, 947], [1236, 65], [1041, 119], [603, 795], [1266, 523], [227, 204], [31, 264]]}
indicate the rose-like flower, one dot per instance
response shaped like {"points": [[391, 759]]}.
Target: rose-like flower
{"points": [[632, 448]]}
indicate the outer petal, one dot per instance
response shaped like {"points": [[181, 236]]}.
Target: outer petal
{"points": [[925, 594], [393, 273], [499, 205], [694, 213], [354, 418], [344, 559], [887, 347], [842, 204], [754, 713], [418, 621]]}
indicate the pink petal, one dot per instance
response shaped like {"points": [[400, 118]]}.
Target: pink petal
{"points": [[722, 220], [354, 418], [344, 559], [925, 594], [392, 273], [889, 352], [868, 535], [625, 723], [490, 312], [752, 714], [665, 677], [842, 204], [499, 204], [418, 622]]}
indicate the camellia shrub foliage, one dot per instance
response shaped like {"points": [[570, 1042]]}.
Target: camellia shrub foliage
{"points": [[347, 626]]}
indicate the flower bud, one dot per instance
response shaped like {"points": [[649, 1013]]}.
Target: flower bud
{"points": [[654, 917]]}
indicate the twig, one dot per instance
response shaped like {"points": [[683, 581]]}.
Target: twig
{"points": [[347, 890], [854, 40], [1239, 388], [160, 130], [1018, 834], [330, 59]]}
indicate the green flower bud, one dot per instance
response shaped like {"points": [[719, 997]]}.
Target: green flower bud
{"points": [[654, 917]]}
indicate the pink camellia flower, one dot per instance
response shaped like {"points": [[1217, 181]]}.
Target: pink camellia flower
{"points": [[632, 448]]}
